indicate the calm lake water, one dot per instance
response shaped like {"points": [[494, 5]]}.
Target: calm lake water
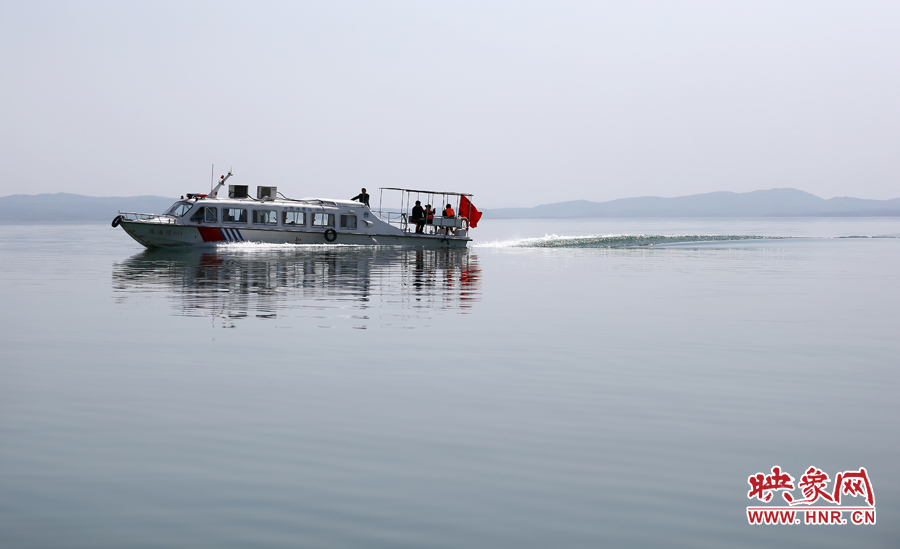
{"points": [[560, 384]]}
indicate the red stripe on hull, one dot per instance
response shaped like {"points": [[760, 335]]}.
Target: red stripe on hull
{"points": [[210, 234]]}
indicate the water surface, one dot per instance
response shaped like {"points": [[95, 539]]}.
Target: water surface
{"points": [[512, 395]]}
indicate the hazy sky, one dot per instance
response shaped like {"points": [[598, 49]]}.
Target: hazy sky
{"points": [[520, 103]]}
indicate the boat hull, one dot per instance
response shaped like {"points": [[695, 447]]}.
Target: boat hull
{"points": [[161, 235]]}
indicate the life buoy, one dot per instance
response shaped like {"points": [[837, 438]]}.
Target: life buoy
{"points": [[330, 235], [116, 220]]}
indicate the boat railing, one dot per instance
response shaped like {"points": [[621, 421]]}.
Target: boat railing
{"points": [[397, 219], [135, 216], [439, 225]]}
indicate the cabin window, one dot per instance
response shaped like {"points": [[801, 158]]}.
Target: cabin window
{"points": [[322, 220], [294, 219], [210, 215], [348, 221], [265, 217], [234, 215], [178, 209]]}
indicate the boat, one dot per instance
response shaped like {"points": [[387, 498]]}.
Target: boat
{"points": [[207, 219]]}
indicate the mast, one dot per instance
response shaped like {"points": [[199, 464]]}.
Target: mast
{"points": [[214, 192]]}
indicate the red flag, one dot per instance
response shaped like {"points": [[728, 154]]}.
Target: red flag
{"points": [[467, 209]]}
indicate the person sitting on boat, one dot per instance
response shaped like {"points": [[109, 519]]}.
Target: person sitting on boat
{"points": [[448, 211], [198, 217], [362, 197], [418, 217], [429, 215]]}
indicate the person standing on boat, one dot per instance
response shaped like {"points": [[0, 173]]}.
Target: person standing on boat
{"points": [[418, 217], [362, 197]]}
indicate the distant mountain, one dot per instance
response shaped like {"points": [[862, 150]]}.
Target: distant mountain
{"points": [[75, 208], [770, 203]]}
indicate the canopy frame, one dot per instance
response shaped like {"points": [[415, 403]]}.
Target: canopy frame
{"points": [[401, 217]]}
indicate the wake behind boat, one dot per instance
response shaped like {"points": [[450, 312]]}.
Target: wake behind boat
{"points": [[201, 219]]}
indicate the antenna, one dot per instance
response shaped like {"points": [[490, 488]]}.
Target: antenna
{"points": [[212, 177]]}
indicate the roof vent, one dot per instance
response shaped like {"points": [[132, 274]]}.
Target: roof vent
{"points": [[237, 191], [266, 193]]}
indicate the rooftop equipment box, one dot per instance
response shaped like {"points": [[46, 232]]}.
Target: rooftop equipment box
{"points": [[266, 193], [237, 191]]}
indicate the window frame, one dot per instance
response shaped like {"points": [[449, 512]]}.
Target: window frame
{"points": [[284, 221], [329, 220], [228, 209], [180, 204], [270, 223]]}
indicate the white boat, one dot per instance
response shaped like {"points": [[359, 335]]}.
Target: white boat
{"points": [[201, 219]]}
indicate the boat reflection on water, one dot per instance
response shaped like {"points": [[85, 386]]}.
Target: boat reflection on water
{"points": [[356, 285]]}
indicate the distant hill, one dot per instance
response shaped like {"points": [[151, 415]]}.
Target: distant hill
{"points": [[75, 208], [770, 203]]}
